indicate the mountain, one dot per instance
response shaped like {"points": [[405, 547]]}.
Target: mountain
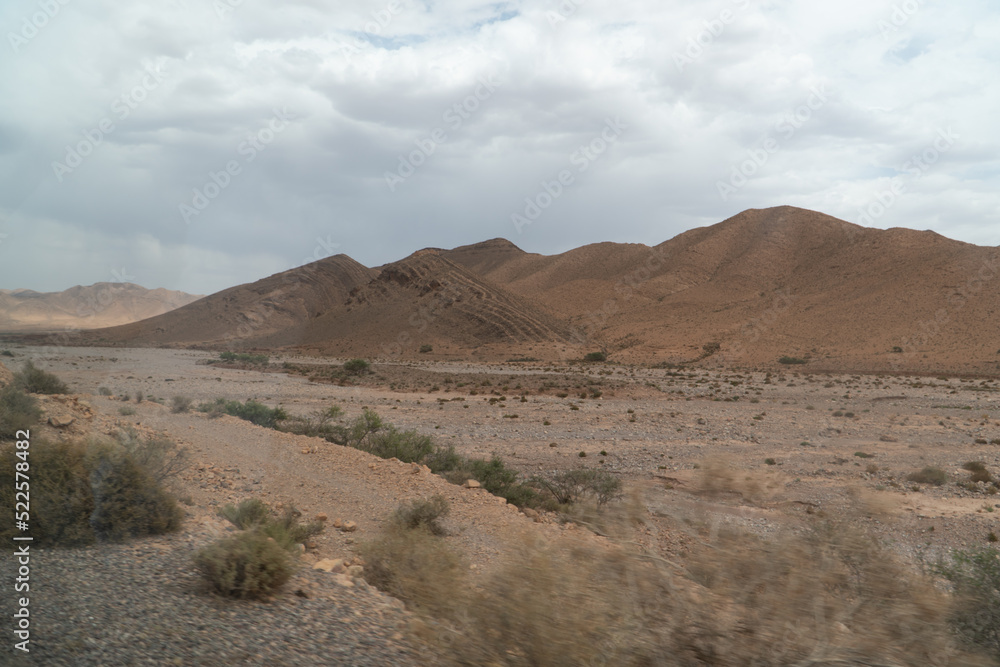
{"points": [[763, 284], [97, 305]]}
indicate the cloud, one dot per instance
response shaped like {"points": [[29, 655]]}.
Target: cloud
{"points": [[819, 106]]}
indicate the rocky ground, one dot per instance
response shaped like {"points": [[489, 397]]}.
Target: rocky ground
{"points": [[756, 450]]}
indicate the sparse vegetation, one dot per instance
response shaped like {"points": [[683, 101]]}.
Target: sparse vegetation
{"points": [[247, 514], [978, 471], [573, 486], [424, 349], [357, 367], [595, 356], [251, 411], [18, 411], [929, 475], [34, 380], [243, 358], [179, 404], [247, 565], [791, 360], [426, 514], [975, 578], [104, 391]]}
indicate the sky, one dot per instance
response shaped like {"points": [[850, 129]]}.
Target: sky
{"points": [[196, 145]]}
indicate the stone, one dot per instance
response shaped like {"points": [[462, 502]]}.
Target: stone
{"points": [[343, 580], [414, 468], [321, 517], [355, 571], [337, 523], [530, 513], [61, 421], [349, 527], [334, 565], [472, 484]]}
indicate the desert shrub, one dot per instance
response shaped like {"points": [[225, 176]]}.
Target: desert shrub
{"points": [[370, 434], [36, 381], [61, 497], [444, 460], [595, 356], [791, 360], [929, 475], [572, 486], [978, 471], [247, 514], [356, 367], [179, 404], [158, 456], [252, 411], [425, 514], [128, 501], [139, 396], [126, 411], [288, 531], [975, 577], [247, 565], [239, 357], [18, 411], [424, 349], [417, 567], [104, 391]]}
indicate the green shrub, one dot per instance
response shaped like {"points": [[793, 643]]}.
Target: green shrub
{"points": [[179, 404], [61, 497], [975, 577], [18, 411], [249, 513], [791, 360], [128, 501], [254, 359], [929, 475], [158, 456], [36, 381], [252, 411], [424, 349], [595, 356], [444, 460], [423, 514], [978, 470], [247, 565], [356, 367]]}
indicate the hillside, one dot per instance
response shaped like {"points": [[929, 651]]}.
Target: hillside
{"points": [[97, 305], [761, 285]]}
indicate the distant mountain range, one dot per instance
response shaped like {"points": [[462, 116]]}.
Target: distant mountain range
{"points": [[97, 305], [762, 285]]}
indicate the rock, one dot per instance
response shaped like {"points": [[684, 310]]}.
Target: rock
{"points": [[61, 421], [530, 513], [349, 527], [321, 517], [334, 565], [305, 450], [302, 593], [355, 571], [343, 580], [414, 468], [337, 523], [472, 484]]}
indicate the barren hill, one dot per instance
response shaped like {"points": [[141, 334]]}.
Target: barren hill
{"points": [[761, 285], [247, 314], [97, 305]]}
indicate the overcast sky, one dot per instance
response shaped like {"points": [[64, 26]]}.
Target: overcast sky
{"points": [[196, 145]]}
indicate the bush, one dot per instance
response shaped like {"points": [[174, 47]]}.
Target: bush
{"points": [[791, 360], [158, 456], [571, 486], [416, 567], [179, 404], [104, 391], [424, 514], [595, 356], [81, 492], [36, 381], [61, 497], [247, 565], [126, 411], [978, 470], [929, 475], [356, 367], [253, 359], [424, 349], [370, 434], [18, 411], [252, 411], [249, 513], [975, 577], [128, 501]]}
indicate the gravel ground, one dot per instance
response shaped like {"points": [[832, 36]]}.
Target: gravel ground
{"points": [[142, 603]]}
